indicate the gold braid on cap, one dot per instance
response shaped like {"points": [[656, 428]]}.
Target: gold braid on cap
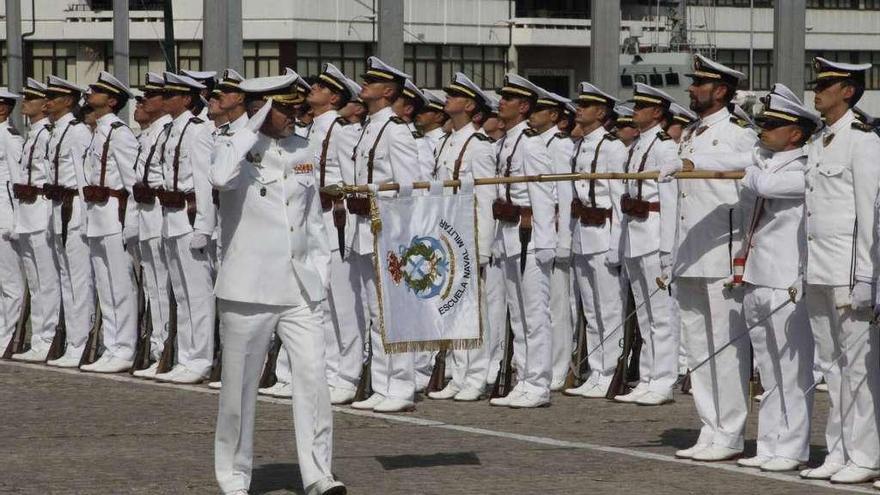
{"points": [[287, 99]]}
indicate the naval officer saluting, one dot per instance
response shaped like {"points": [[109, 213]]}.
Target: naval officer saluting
{"points": [[273, 278]]}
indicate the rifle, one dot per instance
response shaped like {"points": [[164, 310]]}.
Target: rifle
{"points": [[365, 385], [145, 327], [93, 343], [504, 379], [268, 378], [632, 371], [56, 350], [438, 375], [618, 384], [168, 357], [578, 367], [16, 343], [145, 332], [686, 383], [217, 363]]}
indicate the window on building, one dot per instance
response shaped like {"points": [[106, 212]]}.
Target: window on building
{"points": [[137, 70], [762, 65], [4, 75], [350, 58], [261, 58], [871, 4], [568, 9], [485, 65], [189, 55], [832, 4], [49, 57], [99, 5], [730, 3], [420, 62]]}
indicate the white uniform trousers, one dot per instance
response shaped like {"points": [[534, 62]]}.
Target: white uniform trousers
{"points": [[191, 279], [77, 287], [496, 313], [561, 319], [117, 294], [342, 326], [658, 359], [711, 316], [11, 290], [43, 284], [602, 302], [470, 367], [845, 339], [392, 375], [156, 284], [783, 349], [247, 331], [528, 297]]}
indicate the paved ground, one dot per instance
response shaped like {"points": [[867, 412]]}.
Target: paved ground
{"points": [[72, 433]]}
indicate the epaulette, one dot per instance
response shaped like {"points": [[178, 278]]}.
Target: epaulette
{"points": [[482, 137], [196, 120], [662, 136], [13, 131], [861, 126], [117, 124], [531, 133], [611, 136], [561, 135], [418, 134], [397, 120], [341, 121], [741, 122]]}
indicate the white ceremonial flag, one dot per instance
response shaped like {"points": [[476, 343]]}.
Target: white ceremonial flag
{"points": [[428, 270]]}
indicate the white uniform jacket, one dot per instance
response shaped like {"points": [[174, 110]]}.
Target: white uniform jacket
{"points": [[190, 140], [561, 149], [396, 159], [276, 249], [152, 140], [711, 219], [842, 181], [68, 145], [10, 154], [472, 153], [778, 247], [607, 153], [119, 154], [649, 152], [33, 169], [525, 153]]}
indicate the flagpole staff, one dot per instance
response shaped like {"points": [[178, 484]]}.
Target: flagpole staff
{"points": [[338, 190]]}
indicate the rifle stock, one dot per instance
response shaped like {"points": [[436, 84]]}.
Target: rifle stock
{"points": [[578, 365], [438, 374], [686, 383], [93, 343], [56, 350], [169, 354], [365, 385], [217, 363], [145, 332], [504, 379], [17, 342], [268, 378], [618, 384]]}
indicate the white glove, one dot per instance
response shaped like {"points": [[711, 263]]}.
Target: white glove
{"points": [[666, 265], [612, 258], [668, 170], [199, 241], [129, 232], [545, 256], [484, 260], [256, 121], [750, 180], [563, 254], [861, 296]]}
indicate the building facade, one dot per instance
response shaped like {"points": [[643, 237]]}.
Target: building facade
{"points": [[547, 40]]}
